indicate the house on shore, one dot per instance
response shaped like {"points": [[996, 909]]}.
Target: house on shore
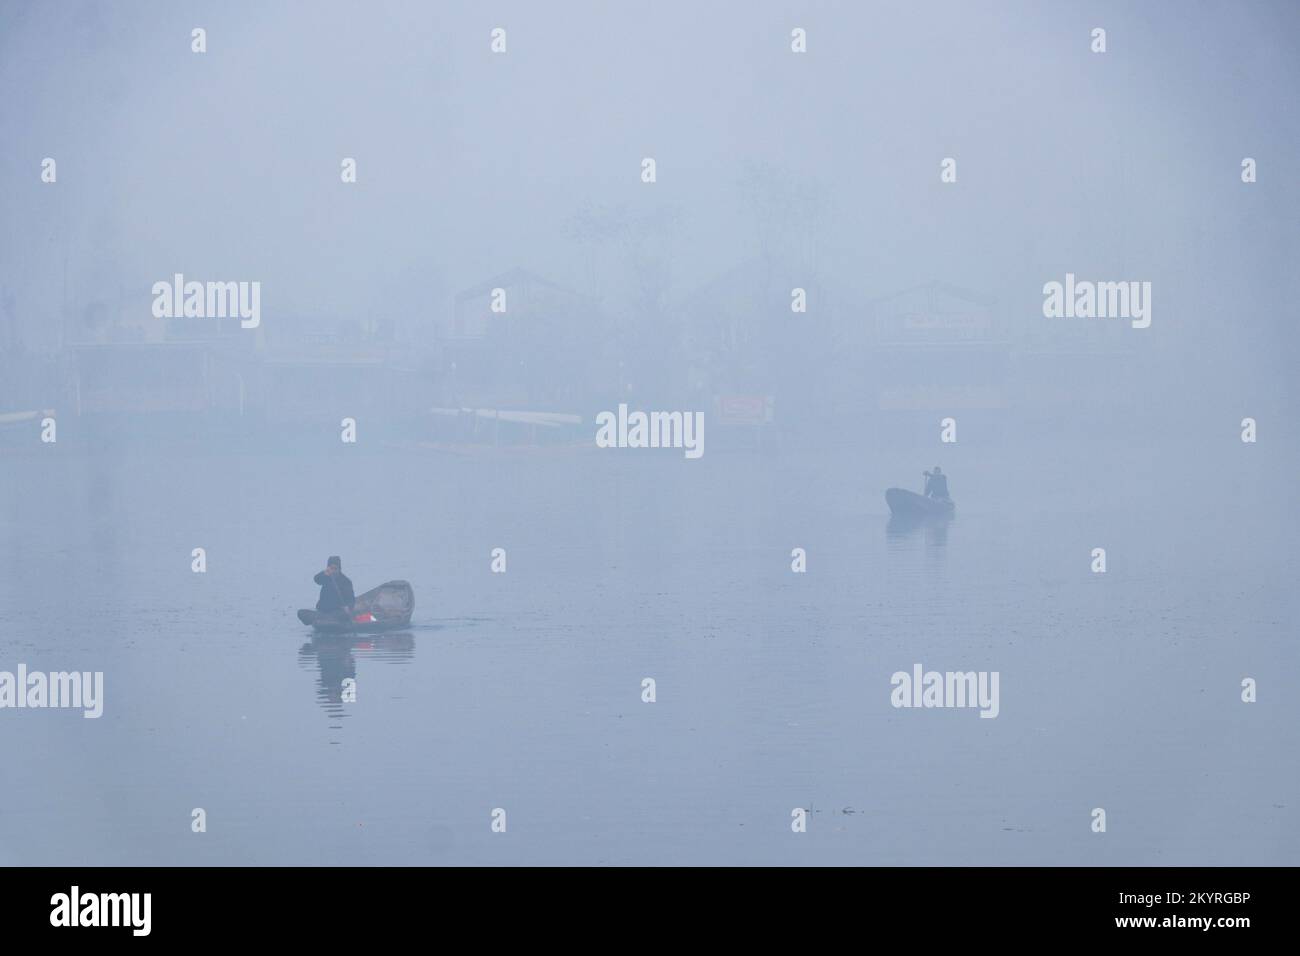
{"points": [[149, 365], [751, 358], [933, 348], [521, 342], [288, 369]]}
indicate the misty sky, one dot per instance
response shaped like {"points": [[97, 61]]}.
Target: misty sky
{"points": [[226, 165]]}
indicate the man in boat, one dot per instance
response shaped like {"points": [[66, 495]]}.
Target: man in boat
{"points": [[336, 597], [936, 483]]}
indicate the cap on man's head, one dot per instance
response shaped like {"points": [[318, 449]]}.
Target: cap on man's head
{"points": [[334, 562]]}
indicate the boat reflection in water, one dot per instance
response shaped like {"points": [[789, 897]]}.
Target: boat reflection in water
{"points": [[336, 656], [933, 529]]}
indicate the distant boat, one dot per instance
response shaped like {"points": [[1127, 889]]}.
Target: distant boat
{"points": [[908, 504], [385, 608]]}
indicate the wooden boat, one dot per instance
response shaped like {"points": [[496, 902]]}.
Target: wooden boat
{"points": [[385, 608], [909, 504]]}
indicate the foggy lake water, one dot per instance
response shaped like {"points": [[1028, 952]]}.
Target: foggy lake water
{"points": [[522, 690]]}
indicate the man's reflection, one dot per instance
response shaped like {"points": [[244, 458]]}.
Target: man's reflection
{"points": [[336, 656]]}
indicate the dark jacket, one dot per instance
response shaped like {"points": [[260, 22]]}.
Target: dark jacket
{"points": [[335, 592], [936, 486]]}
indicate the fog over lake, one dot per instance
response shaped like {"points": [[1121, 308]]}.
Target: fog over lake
{"points": [[608, 333]]}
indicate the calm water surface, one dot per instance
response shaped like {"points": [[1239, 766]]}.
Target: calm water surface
{"points": [[523, 690]]}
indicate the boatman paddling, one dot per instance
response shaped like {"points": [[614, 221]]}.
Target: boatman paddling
{"points": [[936, 483], [336, 597]]}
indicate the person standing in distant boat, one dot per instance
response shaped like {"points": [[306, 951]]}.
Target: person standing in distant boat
{"points": [[936, 484], [336, 595]]}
